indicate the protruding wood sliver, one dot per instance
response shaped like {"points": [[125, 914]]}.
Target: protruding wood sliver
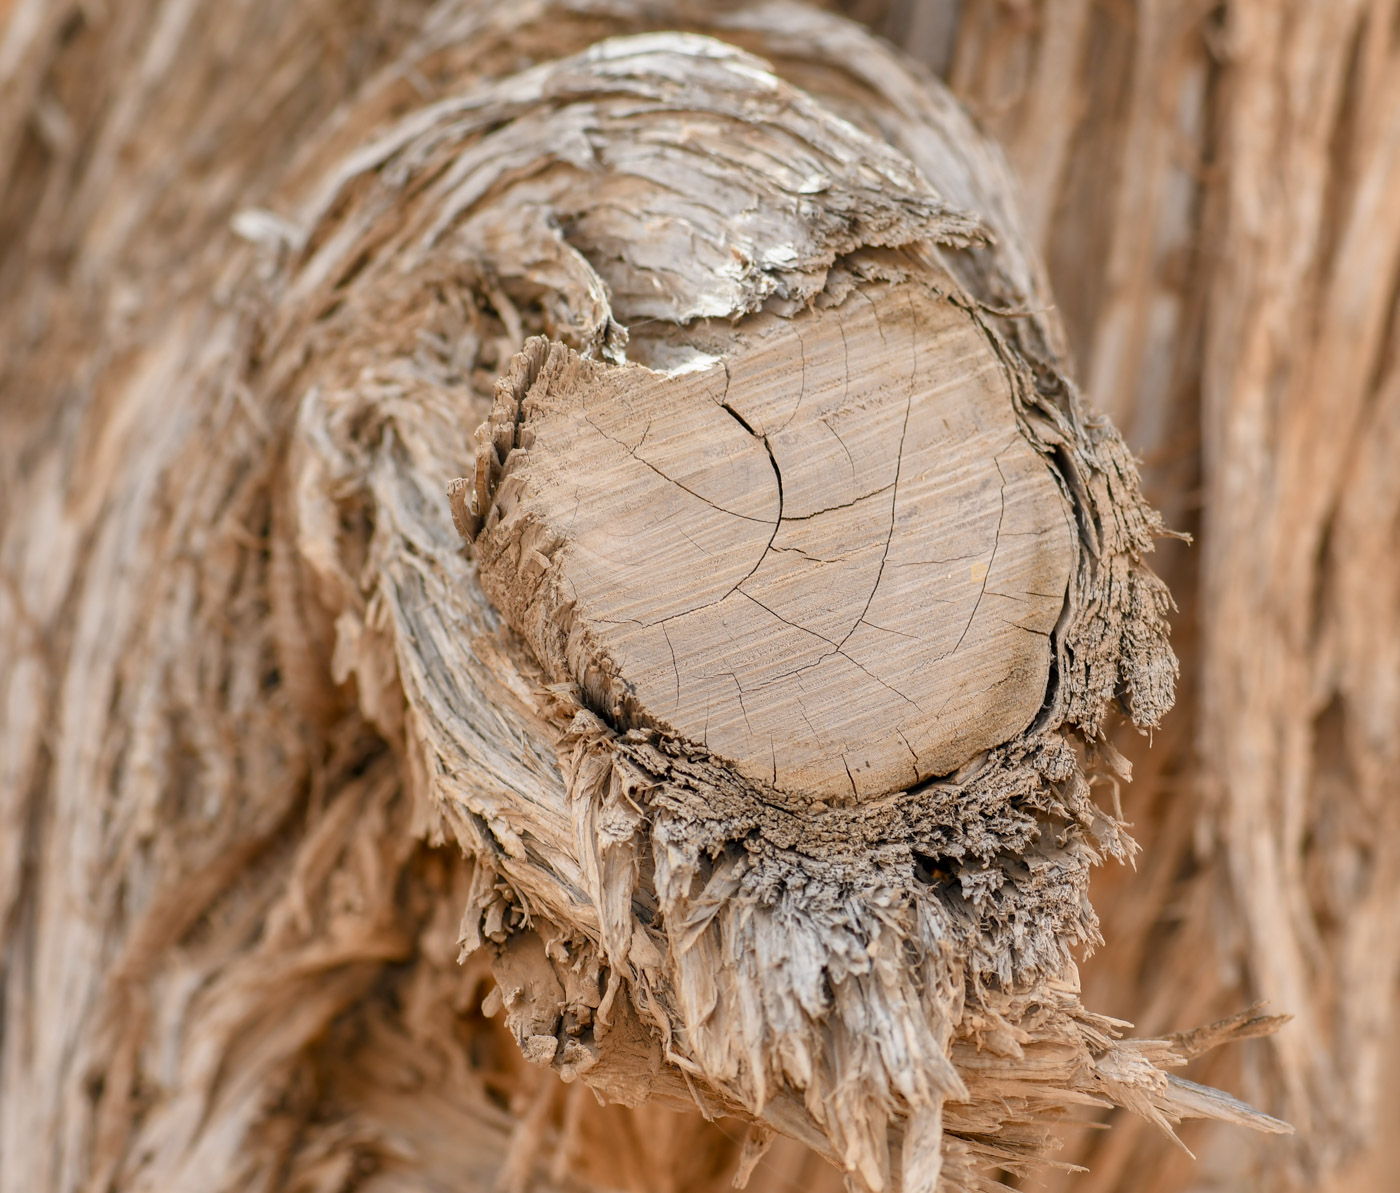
{"points": [[821, 548]]}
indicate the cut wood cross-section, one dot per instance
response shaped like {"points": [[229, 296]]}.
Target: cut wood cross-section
{"points": [[821, 547]]}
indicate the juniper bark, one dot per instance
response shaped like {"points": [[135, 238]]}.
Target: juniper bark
{"points": [[257, 701]]}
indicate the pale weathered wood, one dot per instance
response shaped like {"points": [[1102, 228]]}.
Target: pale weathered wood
{"points": [[829, 555]]}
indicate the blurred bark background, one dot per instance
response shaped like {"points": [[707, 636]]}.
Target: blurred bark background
{"points": [[1215, 188], [1216, 191]]}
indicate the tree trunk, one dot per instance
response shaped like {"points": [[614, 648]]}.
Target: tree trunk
{"points": [[717, 725]]}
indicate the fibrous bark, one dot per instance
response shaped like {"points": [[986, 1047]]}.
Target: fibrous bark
{"points": [[872, 557], [1216, 189], [254, 667]]}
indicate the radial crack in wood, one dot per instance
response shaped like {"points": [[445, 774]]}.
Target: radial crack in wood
{"points": [[829, 556]]}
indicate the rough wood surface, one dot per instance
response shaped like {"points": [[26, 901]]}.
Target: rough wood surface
{"points": [[1216, 189], [827, 555], [274, 259]]}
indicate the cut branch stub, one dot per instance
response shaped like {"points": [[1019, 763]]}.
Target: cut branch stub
{"points": [[825, 552]]}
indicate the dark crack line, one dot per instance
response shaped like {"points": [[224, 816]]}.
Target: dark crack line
{"points": [[898, 468], [724, 400], [675, 667], [1016, 625], [769, 545], [578, 504], [743, 710], [786, 622], [831, 654], [883, 683], [697, 546], [879, 323], [930, 562], [802, 385], [777, 523], [632, 451], [739, 418], [886, 630], [912, 755], [991, 563], [850, 459], [831, 509], [777, 476], [832, 561]]}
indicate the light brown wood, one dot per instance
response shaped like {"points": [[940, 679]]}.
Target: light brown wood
{"points": [[260, 266], [829, 555]]}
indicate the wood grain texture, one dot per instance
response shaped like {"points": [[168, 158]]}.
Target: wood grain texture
{"points": [[1218, 200], [830, 556], [274, 258]]}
